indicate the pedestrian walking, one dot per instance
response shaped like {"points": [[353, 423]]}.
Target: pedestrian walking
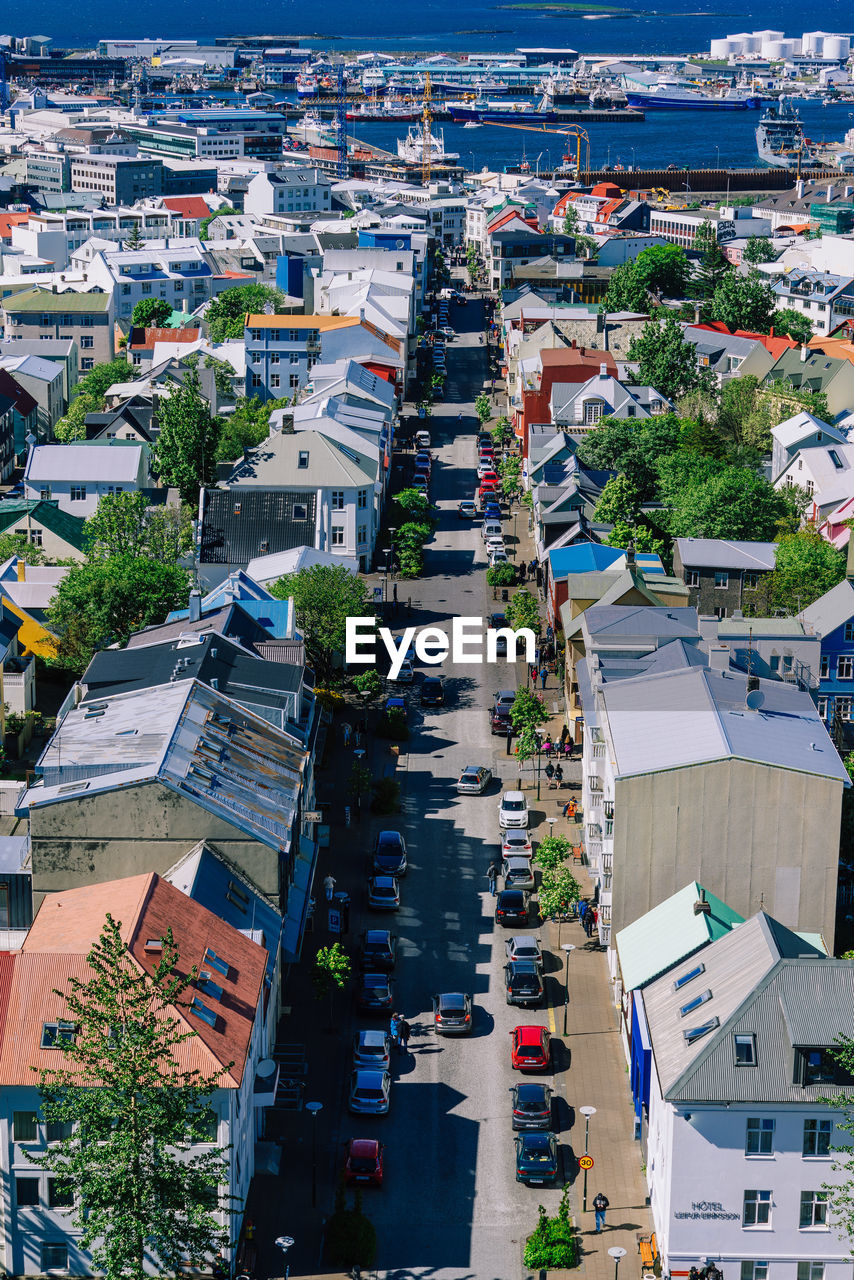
{"points": [[534, 674], [394, 594], [533, 567], [460, 416], [543, 677], [600, 1204], [595, 928], [539, 576], [564, 734], [492, 876], [582, 913], [403, 1033], [394, 1027], [510, 741], [346, 731], [549, 632], [523, 571], [329, 886]]}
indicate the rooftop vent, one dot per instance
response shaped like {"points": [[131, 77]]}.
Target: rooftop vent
{"points": [[702, 907]]}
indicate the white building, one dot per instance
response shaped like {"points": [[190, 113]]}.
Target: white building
{"points": [[825, 471], [77, 476], [178, 271], [294, 190]]}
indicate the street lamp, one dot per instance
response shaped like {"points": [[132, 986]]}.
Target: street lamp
{"points": [[359, 755], [285, 1243], [616, 1253], [471, 153], [587, 1112], [314, 1109], [568, 947], [514, 535]]}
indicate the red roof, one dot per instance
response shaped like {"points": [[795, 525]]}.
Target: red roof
{"points": [[606, 189], [10, 220], [773, 343], [144, 339], [188, 206]]}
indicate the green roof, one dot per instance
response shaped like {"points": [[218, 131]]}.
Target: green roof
{"points": [[65, 526], [671, 931], [47, 300]]}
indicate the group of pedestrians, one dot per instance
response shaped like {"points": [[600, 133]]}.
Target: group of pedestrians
{"points": [[589, 915], [400, 1031]]}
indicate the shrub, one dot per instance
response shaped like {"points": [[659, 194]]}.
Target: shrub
{"points": [[330, 699], [351, 1239], [553, 1242], [386, 796], [393, 725]]}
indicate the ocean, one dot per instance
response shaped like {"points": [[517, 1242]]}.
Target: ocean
{"points": [[654, 26]]}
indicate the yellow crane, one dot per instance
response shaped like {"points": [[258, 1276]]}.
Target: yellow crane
{"points": [[426, 120], [566, 131]]}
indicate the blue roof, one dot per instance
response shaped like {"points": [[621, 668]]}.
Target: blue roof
{"points": [[273, 615], [649, 562], [588, 557]]}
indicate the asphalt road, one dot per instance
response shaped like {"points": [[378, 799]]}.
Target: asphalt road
{"points": [[451, 1207]]}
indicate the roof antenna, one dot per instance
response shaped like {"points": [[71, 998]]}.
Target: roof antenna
{"points": [[749, 652]]}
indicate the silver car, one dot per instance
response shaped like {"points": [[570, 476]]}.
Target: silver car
{"points": [[370, 1092], [518, 873], [474, 779], [524, 946], [372, 1049]]}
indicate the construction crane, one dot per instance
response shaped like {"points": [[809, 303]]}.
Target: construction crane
{"points": [[566, 131], [4, 84], [426, 121], [341, 122]]}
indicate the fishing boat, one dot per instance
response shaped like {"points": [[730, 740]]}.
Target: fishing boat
{"points": [[411, 148], [667, 93], [780, 137]]}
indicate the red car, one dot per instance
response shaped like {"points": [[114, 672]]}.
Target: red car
{"points": [[363, 1162], [530, 1049], [489, 479]]}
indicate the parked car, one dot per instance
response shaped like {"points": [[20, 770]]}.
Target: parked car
{"points": [[484, 437], [363, 1162], [499, 716], [383, 893], [524, 946], [513, 810], [474, 780], [389, 856], [467, 510], [492, 512], [372, 1049], [406, 674], [423, 461], [432, 691], [420, 483], [494, 543], [511, 907], [518, 873], [532, 1106], [487, 476], [537, 1159], [452, 1013], [516, 844], [370, 1092], [530, 1049], [523, 982], [374, 993], [422, 439], [498, 556], [378, 950], [449, 333]]}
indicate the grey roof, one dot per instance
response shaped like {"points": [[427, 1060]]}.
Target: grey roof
{"points": [[119, 460], [675, 656], [803, 424], [831, 610], [640, 620], [273, 464], [675, 719], [717, 553], [231, 620]]}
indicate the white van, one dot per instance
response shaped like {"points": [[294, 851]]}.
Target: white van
{"points": [[422, 439], [491, 529]]}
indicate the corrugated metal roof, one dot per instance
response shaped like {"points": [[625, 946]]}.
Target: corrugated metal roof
{"points": [[832, 610], [671, 931], [119, 461], [718, 553]]}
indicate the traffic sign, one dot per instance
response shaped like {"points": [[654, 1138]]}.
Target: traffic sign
{"points": [[334, 920], [585, 1162]]}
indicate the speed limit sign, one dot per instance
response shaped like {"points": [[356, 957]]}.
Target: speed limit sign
{"points": [[585, 1162]]}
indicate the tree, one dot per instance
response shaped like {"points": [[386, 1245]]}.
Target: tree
{"points": [[204, 225], [666, 361], [559, 891], [552, 852], [523, 610], [246, 427], [663, 269], [626, 290], [185, 453], [510, 470], [806, 566], [134, 240], [150, 312], [570, 220], [331, 973], [142, 1189], [124, 524], [324, 597], [759, 249], [502, 433], [483, 407], [709, 499], [72, 425], [527, 711], [743, 302], [226, 312], [792, 324], [105, 601], [713, 266], [500, 575], [18, 544], [633, 448], [368, 683], [745, 418], [351, 1239], [411, 504], [619, 502], [99, 379]]}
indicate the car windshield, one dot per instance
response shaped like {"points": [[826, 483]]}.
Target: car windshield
{"points": [[524, 981], [452, 1004], [529, 1051], [369, 1093], [531, 1104], [512, 898], [514, 806], [362, 1164], [372, 1051]]}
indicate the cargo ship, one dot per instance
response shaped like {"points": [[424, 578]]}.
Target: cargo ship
{"points": [[670, 94], [780, 139]]}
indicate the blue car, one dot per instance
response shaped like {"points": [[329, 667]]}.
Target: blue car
{"points": [[491, 512]]}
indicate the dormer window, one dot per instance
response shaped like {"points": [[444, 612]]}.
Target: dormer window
{"points": [[744, 1049], [302, 459]]}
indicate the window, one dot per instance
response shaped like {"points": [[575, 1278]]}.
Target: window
{"points": [[692, 1034], [744, 1048], [338, 536], [363, 499], [337, 499], [25, 1126], [757, 1209], [87, 363], [293, 380], [146, 288], [87, 341], [721, 579], [592, 412], [692, 577], [58, 1130], [26, 1192], [274, 379], [59, 1194], [751, 581], [362, 534], [759, 1140], [54, 1257], [816, 1066], [300, 511], [698, 999], [294, 357], [774, 662], [78, 492], [302, 459], [256, 379], [754, 1271], [824, 668], [56, 1034], [842, 708], [822, 708], [688, 977], [813, 1209], [817, 1137], [844, 667], [810, 1271], [274, 358]]}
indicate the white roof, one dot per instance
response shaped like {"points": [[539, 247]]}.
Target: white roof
{"points": [[720, 553], [801, 425], [84, 462], [269, 568]]}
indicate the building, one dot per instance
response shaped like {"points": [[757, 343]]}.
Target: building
{"points": [[824, 298], [831, 618], [804, 370], [117, 179], [218, 133], [579, 407], [723, 576], [802, 431], [296, 190], [45, 525], [77, 476], [43, 380], [7, 433], [682, 225], [49, 170], [227, 1012], [86, 319], [179, 271], [281, 351]]}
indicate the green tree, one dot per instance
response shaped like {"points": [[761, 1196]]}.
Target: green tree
{"points": [[619, 502], [72, 425], [705, 498], [324, 597], [246, 427], [331, 973], [411, 504], [570, 220], [553, 1244], [510, 470], [151, 312], [666, 361], [759, 249], [806, 566], [502, 433], [743, 302], [143, 1189], [713, 266], [483, 407], [226, 312], [552, 852], [124, 524], [368, 683], [559, 891], [523, 610], [627, 290], [527, 711], [351, 1239], [18, 544], [789, 323], [205, 224], [185, 453], [633, 448], [664, 269], [134, 240], [105, 601], [500, 575], [99, 379], [745, 418]]}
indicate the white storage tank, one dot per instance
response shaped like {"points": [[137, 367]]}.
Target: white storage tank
{"points": [[753, 42], [723, 48], [837, 47], [812, 41], [774, 50], [769, 35]]}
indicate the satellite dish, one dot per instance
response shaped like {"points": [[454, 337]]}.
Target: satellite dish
{"points": [[400, 244], [266, 1068], [755, 699]]}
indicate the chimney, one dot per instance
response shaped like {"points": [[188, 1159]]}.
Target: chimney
{"points": [[719, 657], [696, 313], [771, 332], [752, 683], [195, 605], [702, 907], [830, 193], [603, 371], [805, 353], [799, 188], [630, 554], [572, 344], [22, 570]]}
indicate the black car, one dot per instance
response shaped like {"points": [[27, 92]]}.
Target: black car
{"points": [[452, 1013], [523, 982], [389, 854], [379, 950], [537, 1159], [374, 994], [532, 1106], [432, 691], [511, 907]]}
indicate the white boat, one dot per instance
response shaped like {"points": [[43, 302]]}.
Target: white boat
{"points": [[472, 124], [411, 148]]}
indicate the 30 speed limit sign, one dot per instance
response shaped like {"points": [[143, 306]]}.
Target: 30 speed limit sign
{"points": [[585, 1162]]}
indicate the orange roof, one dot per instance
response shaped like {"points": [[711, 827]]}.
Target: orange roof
{"points": [[188, 206], [773, 343], [606, 189], [10, 220], [323, 323], [234, 275], [150, 336], [63, 932]]}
